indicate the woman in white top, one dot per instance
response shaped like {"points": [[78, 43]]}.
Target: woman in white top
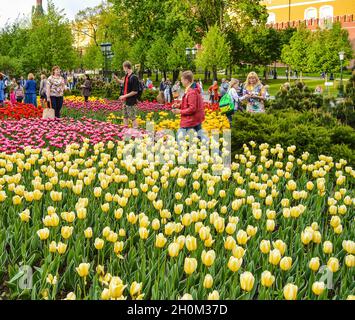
{"points": [[233, 92]]}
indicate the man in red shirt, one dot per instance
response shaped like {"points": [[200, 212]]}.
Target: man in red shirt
{"points": [[130, 94], [191, 108]]}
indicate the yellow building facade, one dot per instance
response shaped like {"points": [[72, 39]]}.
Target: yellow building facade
{"points": [[294, 10]]}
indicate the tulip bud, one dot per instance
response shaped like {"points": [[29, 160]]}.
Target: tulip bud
{"points": [[265, 246], [333, 264], [160, 240], [173, 249], [208, 281], [327, 247], [61, 247], [83, 269], [234, 264], [190, 265], [274, 257], [53, 247], [290, 291], [191, 243], [99, 243], [88, 233], [267, 279], [318, 287], [286, 263], [247, 281], [43, 234], [242, 237], [214, 295], [208, 257]]}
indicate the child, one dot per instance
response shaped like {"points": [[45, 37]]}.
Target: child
{"points": [[12, 96], [19, 93]]}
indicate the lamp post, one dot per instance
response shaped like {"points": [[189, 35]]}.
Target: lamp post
{"points": [[191, 54], [341, 89], [107, 53]]}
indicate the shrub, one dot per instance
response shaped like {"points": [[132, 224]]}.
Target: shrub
{"points": [[313, 131], [149, 95]]}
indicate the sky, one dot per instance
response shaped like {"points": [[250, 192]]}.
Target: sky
{"points": [[11, 9]]}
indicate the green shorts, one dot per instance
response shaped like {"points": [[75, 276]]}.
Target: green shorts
{"points": [[129, 112]]}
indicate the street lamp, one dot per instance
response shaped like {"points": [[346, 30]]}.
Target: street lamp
{"points": [[341, 89], [190, 53], [107, 53]]}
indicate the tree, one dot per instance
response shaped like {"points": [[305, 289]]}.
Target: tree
{"points": [[10, 65], [262, 45], [92, 58], [50, 42], [177, 59], [323, 54], [296, 53], [157, 55], [215, 51]]}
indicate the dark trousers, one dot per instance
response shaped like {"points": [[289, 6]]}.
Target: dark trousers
{"points": [[86, 98], [19, 99], [57, 103]]}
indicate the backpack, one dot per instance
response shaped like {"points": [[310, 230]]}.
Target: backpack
{"points": [[140, 90], [226, 104]]}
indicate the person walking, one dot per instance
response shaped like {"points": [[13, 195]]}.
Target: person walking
{"points": [[130, 94], [86, 88], [43, 89], [55, 90], [30, 90], [2, 87], [12, 96], [233, 92], [224, 87], [254, 93], [191, 108], [167, 91], [176, 90], [22, 82], [19, 93], [213, 91]]}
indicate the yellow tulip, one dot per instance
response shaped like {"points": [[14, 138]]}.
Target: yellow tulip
{"points": [[25, 215], [83, 269], [53, 247], [190, 265], [214, 295], [314, 264], [61, 247], [265, 246], [99, 243], [208, 257], [191, 243], [160, 240], [318, 287], [234, 264], [290, 291], [143, 233], [286, 263], [242, 237], [43, 234], [333, 264], [327, 247], [274, 256], [208, 281], [247, 281], [350, 260], [66, 232], [88, 233], [173, 249], [267, 279]]}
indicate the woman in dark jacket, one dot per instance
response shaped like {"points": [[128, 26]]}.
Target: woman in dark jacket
{"points": [[86, 88], [30, 87]]}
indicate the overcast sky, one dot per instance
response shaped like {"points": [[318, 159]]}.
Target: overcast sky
{"points": [[11, 9]]}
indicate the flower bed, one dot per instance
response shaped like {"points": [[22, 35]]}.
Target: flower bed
{"points": [[57, 133], [18, 111]]}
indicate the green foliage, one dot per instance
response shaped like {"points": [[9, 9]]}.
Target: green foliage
{"points": [[10, 65], [177, 59], [149, 95], [92, 58], [156, 55], [215, 52], [312, 131], [323, 54], [298, 97], [295, 54]]}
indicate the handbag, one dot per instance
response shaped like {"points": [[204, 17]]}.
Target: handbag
{"points": [[48, 113]]}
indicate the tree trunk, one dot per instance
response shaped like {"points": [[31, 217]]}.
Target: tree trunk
{"points": [[226, 72], [165, 74], [215, 73], [156, 76], [266, 73], [231, 71], [301, 76], [175, 75], [206, 75], [149, 73]]}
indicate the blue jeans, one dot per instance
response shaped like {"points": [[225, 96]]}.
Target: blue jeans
{"points": [[31, 98], [198, 129]]}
